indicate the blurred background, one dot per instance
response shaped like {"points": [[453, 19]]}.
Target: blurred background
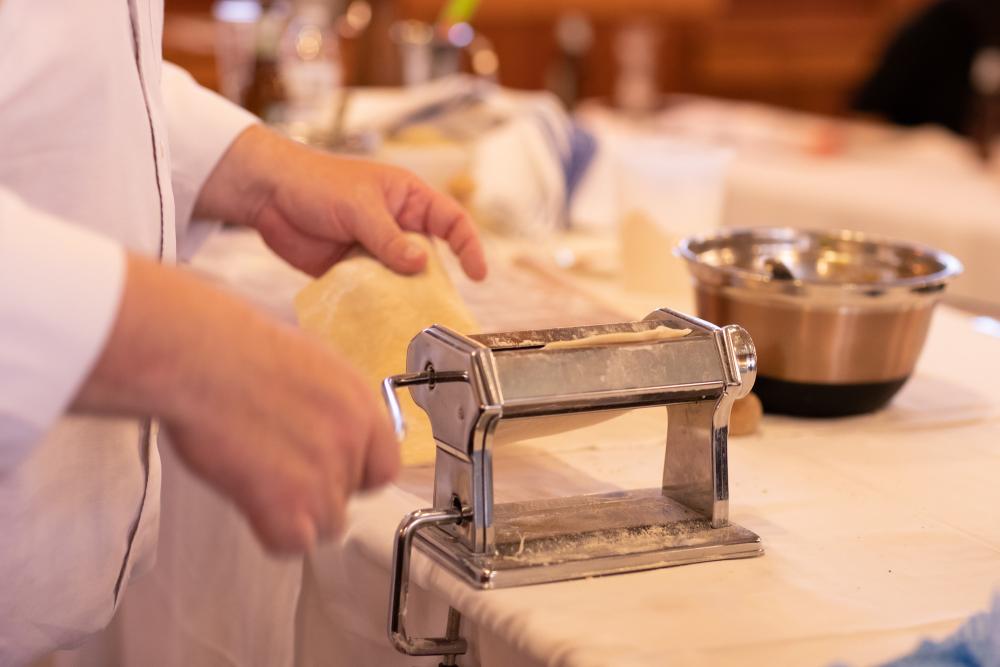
{"points": [[810, 55], [642, 121]]}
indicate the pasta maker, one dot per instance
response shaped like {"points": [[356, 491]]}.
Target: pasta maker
{"points": [[468, 384]]}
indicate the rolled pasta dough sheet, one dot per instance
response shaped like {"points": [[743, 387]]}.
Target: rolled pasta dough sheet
{"points": [[371, 313], [619, 338]]}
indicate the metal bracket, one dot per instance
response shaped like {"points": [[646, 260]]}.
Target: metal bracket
{"points": [[450, 645], [401, 552]]}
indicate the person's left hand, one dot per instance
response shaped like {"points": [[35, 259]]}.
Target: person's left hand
{"points": [[311, 207]]}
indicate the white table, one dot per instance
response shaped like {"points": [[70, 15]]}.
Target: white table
{"points": [[879, 530]]}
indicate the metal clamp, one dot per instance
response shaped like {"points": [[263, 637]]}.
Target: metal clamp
{"points": [[428, 376], [452, 644], [408, 527]]}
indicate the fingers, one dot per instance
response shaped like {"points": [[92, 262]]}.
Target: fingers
{"points": [[303, 533], [382, 458], [332, 515], [381, 235], [298, 511], [282, 533], [429, 211], [305, 252], [464, 242]]}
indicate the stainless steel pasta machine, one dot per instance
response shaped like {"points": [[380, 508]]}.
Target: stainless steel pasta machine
{"points": [[468, 384]]}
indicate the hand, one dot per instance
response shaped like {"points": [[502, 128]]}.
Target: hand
{"points": [[291, 439], [311, 207], [274, 420]]}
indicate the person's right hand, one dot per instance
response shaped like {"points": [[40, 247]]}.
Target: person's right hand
{"points": [[273, 419], [294, 432]]}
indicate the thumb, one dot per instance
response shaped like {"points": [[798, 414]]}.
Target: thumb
{"points": [[379, 234], [383, 456]]}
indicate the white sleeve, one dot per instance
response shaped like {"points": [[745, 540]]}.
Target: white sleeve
{"points": [[201, 126], [60, 289]]}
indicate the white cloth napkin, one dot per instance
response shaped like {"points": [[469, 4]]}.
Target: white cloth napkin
{"points": [[526, 165]]}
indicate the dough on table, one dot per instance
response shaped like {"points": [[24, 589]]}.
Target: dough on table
{"points": [[371, 313]]}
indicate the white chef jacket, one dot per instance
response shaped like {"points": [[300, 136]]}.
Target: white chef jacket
{"points": [[102, 147]]}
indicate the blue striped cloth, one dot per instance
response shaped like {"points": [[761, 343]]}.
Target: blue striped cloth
{"points": [[975, 644]]}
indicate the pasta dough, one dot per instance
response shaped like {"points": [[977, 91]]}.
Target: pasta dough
{"points": [[370, 313], [648, 336]]}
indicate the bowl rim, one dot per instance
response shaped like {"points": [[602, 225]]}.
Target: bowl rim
{"points": [[951, 266]]}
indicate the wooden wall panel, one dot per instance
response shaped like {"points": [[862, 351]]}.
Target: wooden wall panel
{"points": [[805, 54]]}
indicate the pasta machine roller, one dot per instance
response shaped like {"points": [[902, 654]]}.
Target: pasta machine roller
{"points": [[468, 384]]}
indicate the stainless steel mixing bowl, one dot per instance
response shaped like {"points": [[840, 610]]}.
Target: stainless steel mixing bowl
{"points": [[838, 318]]}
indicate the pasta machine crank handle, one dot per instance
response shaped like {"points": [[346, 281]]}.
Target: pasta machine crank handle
{"points": [[428, 376]]}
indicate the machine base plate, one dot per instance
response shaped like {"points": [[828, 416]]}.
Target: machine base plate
{"points": [[542, 541]]}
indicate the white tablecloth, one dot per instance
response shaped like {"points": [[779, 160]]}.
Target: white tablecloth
{"points": [[879, 530]]}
